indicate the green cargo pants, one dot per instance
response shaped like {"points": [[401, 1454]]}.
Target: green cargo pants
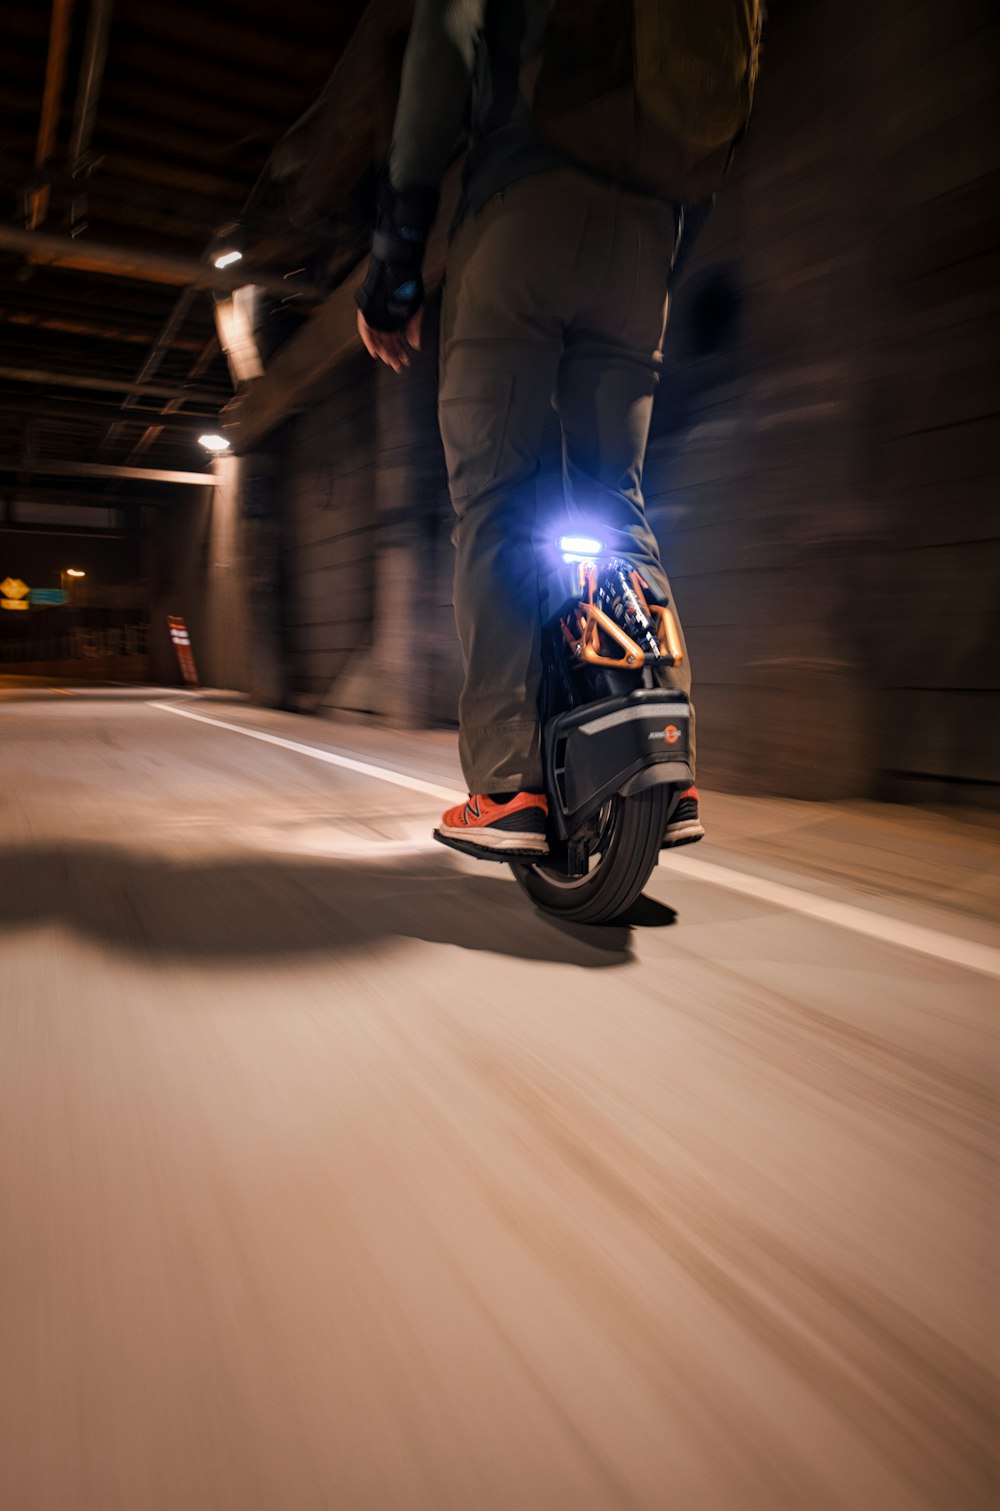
{"points": [[555, 296]]}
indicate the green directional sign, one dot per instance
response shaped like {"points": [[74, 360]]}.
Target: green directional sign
{"points": [[47, 595]]}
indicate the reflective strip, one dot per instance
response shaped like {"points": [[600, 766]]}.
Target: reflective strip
{"points": [[627, 715]]}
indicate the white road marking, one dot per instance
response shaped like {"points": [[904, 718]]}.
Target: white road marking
{"points": [[909, 936], [396, 778]]}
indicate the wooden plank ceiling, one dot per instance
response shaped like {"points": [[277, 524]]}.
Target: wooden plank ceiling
{"points": [[141, 126]]}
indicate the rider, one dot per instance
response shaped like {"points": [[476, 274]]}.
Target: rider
{"points": [[555, 295]]}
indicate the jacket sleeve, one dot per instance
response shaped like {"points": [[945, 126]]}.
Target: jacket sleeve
{"points": [[437, 74]]}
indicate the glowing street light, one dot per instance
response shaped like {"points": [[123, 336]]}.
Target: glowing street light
{"points": [[213, 442], [226, 259], [73, 573]]}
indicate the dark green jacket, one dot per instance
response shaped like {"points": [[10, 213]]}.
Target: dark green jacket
{"points": [[461, 71]]}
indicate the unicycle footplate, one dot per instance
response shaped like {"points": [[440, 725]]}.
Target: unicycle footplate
{"points": [[514, 855]]}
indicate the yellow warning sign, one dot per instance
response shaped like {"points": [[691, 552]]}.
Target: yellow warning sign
{"points": [[13, 587], [14, 603]]}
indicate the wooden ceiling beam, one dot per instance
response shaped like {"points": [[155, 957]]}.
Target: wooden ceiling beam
{"points": [[63, 292], [123, 385], [55, 74], [8, 527], [204, 77], [83, 412], [129, 98], [113, 192], [142, 264], [149, 169], [33, 494], [127, 336], [105, 469], [265, 49]]}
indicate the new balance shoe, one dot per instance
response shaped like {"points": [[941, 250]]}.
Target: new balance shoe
{"points": [[497, 831], [683, 824]]}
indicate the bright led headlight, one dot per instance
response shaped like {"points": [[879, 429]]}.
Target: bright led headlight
{"points": [[580, 547]]}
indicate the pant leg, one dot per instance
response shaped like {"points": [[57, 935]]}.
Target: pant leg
{"points": [[496, 592], [607, 379], [503, 316]]}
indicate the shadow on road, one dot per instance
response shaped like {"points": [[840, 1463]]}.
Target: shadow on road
{"points": [[647, 913], [230, 910]]}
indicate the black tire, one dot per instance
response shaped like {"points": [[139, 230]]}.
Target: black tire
{"points": [[633, 836]]}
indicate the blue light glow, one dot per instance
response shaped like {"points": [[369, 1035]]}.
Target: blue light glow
{"points": [[580, 547]]}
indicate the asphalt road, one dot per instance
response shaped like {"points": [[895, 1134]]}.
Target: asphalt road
{"points": [[333, 1176]]}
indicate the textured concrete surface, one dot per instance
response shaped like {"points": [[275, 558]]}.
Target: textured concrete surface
{"points": [[333, 1176]]}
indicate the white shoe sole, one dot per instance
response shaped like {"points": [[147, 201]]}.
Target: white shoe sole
{"points": [[486, 839], [684, 834]]}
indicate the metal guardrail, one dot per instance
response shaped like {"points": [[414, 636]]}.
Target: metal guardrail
{"points": [[77, 641]]}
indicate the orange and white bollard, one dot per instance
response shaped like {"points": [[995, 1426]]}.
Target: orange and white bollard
{"points": [[182, 645]]}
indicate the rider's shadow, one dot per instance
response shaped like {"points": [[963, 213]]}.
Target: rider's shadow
{"points": [[229, 909]]}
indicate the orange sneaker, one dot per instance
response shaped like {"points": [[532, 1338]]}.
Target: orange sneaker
{"points": [[683, 824], [497, 831]]}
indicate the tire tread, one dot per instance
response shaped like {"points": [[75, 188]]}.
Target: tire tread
{"points": [[621, 876]]}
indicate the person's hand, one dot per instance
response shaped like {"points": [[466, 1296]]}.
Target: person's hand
{"points": [[389, 346], [390, 301]]}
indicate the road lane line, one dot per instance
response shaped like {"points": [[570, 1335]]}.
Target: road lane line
{"points": [[909, 936], [396, 778]]}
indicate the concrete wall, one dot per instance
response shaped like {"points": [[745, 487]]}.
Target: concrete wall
{"points": [[824, 476], [329, 543], [201, 553], [367, 551], [822, 473]]}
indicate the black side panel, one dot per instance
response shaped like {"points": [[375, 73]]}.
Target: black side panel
{"points": [[592, 752]]}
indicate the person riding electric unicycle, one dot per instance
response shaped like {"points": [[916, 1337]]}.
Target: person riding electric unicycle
{"points": [[598, 131]]}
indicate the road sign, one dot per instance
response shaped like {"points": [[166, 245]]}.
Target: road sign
{"points": [[13, 587], [13, 603], [46, 595]]}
